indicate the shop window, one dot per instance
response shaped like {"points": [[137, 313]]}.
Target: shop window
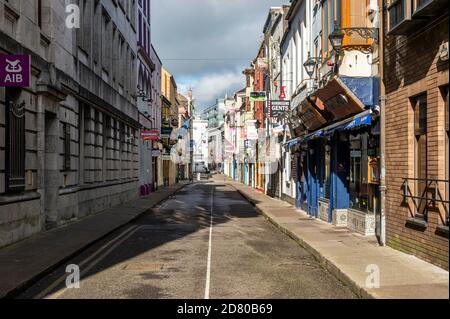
{"points": [[364, 173], [420, 154], [327, 171], [15, 141]]}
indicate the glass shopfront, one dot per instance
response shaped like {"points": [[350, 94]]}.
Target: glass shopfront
{"points": [[364, 172]]}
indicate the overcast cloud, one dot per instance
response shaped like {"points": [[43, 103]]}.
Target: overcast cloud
{"points": [[209, 29]]}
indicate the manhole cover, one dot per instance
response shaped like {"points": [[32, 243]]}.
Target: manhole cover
{"points": [[142, 266]]}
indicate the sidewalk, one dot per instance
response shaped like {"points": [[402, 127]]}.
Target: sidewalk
{"points": [[23, 263], [347, 255]]}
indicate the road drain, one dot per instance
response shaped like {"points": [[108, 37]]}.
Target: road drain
{"points": [[141, 266]]}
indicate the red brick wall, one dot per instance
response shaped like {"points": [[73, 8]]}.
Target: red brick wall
{"points": [[412, 67]]}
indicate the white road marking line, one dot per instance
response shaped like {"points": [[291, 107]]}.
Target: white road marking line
{"points": [[44, 293], [208, 268]]}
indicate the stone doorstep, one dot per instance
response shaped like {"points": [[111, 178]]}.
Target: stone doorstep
{"points": [[10, 292], [326, 262]]}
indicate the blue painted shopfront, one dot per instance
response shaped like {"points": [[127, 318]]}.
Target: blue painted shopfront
{"points": [[311, 185]]}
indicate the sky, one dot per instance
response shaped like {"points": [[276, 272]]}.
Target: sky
{"points": [[206, 44]]}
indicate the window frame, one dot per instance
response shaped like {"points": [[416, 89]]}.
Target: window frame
{"points": [[15, 150], [419, 133]]}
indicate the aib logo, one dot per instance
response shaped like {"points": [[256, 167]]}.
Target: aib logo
{"points": [[15, 70]]}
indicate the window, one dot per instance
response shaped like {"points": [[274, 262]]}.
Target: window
{"points": [[364, 188], [420, 154], [15, 141], [66, 146], [420, 4], [396, 13], [39, 13], [447, 152], [327, 171]]}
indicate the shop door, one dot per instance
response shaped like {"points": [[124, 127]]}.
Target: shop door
{"points": [[313, 181], [302, 183]]}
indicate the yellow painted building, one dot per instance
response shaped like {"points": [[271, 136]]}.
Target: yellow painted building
{"points": [[169, 114]]}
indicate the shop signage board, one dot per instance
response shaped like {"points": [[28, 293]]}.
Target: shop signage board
{"points": [[277, 108], [258, 96], [252, 133], [156, 153], [15, 70], [150, 135], [166, 157]]}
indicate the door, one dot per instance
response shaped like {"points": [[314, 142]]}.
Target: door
{"points": [[313, 181]]}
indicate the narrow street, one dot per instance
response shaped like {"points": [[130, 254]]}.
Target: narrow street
{"points": [[206, 241]]}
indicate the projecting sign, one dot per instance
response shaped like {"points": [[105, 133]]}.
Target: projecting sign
{"points": [[258, 96], [15, 70], [277, 108], [150, 135]]}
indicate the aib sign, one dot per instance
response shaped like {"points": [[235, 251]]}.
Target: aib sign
{"points": [[15, 70]]}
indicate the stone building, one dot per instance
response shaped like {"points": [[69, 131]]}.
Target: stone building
{"points": [[145, 68], [416, 82], [68, 142]]}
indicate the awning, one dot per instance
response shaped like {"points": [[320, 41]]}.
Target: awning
{"points": [[291, 143], [352, 123], [361, 119], [313, 136]]}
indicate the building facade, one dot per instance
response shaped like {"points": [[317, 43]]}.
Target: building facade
{"points": [[145, 68], [416, 83], [68, 142], [169, 123]]}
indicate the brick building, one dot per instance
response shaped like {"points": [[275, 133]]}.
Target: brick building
{"points": [[417, 131]]}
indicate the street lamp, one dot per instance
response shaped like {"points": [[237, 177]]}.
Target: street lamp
{"points": [[310, 65], [336, 38]]}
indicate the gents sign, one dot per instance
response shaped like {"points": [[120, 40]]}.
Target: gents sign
{"points": [[15, 70], [259, 96], [277, 108]]}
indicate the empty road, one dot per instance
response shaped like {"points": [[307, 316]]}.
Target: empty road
{"points": [[206, 241]]}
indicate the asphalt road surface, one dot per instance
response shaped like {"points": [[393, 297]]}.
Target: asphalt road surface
{"points": [[206, 241]]}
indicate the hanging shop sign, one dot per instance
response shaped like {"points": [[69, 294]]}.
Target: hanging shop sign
{"points": [[150, 135], [15, 70], [252, 133], [258, 96], [277, 108], [166, 131], [156, 153]]}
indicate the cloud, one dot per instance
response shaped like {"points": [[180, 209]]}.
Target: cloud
{"points": [[223, 35], [214, 85]]}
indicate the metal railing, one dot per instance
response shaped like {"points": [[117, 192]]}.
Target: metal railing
{"points": [[429, 197]]}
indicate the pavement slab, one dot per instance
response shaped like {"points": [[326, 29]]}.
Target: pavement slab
{"points": [[351, 257], [25, 262]]}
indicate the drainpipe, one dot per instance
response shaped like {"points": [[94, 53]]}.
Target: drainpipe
{"points": [[383, 188]]}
